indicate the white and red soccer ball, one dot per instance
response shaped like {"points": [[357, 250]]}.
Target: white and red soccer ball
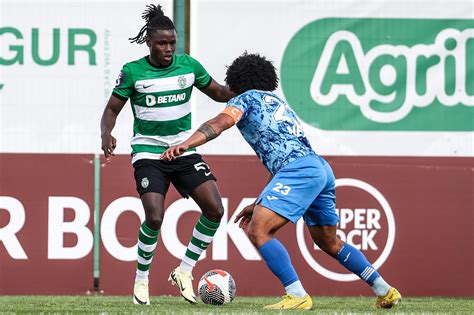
{"points": [[216, 287]]}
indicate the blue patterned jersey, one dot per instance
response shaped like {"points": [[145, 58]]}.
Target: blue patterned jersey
{"points": [[271, 128]]}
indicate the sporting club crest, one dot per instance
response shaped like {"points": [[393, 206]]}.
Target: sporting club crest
{"points": [[182, 81]]}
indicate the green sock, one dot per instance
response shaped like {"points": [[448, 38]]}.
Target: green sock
{"points": [[203, 234], [147, 240]]}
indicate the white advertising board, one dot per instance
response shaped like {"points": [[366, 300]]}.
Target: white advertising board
{"points": [[380, 78], [372, 78]]}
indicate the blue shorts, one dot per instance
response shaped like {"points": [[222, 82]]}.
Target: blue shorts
{"points": [[303, 188]]}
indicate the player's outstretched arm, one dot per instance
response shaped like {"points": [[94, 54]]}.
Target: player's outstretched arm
{"points": [[206, 132]]}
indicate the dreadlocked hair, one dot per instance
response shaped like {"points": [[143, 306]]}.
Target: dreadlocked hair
{"points": [[155, 20], [251, 71]]}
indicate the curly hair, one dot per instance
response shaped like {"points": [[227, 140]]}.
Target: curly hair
{"points": [[251, 71], [155, 20]]}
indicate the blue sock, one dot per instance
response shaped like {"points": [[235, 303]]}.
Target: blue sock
{"points": [[355, 261], [278, 260]]}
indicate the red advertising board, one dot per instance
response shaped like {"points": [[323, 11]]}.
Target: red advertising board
{"points": [[41, 195], [412, 217]]}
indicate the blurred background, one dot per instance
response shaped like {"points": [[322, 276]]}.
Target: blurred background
{"points": [[384, 89]]}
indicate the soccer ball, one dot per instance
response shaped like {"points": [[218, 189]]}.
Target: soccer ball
{"points": [[216, 287]]}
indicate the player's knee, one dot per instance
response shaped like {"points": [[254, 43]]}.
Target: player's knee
{"points": [[154, 222], [256, 235], [219, 212], [215, 213], [253, 235]]}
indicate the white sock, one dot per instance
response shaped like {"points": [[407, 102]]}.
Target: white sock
{"points": [[296, 289], [184, 266], [380, 287], [141, 275]]}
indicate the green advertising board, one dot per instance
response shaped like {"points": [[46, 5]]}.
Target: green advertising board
{"points": [[382, 74]]}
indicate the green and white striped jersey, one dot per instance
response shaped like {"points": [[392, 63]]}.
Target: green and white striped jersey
{"points": [[160, 100]]}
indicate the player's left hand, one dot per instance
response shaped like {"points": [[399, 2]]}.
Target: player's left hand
{"points": [[173, 152]]}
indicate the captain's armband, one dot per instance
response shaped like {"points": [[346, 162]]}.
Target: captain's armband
{"points": [[233, 112]]}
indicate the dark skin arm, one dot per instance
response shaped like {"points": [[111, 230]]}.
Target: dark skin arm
{"points": [[217, 92], [206, 132], [107, 123]]}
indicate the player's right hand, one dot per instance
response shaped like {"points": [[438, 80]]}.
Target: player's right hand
{"points": [[173, 152], [109, 143], [245, 216]]}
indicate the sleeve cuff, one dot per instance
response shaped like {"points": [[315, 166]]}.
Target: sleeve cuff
{"points": [[119, 96], [207, 84]]}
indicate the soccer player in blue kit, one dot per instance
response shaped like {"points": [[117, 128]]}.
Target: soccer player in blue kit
{"points": [[301, 184]]}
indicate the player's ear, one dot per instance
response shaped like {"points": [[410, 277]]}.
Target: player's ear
{"points": [[148, 42]]}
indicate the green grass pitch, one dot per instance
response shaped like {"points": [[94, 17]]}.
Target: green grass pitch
{"points": [[241, 305]]}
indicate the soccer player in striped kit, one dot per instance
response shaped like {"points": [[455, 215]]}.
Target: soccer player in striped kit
{"points": [[159, 88], [301, 185]]}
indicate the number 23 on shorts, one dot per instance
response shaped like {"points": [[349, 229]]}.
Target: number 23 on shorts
{"points": [[282, 189]]}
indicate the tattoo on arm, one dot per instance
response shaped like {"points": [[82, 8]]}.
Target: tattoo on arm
{"points": [[208, 131]]}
